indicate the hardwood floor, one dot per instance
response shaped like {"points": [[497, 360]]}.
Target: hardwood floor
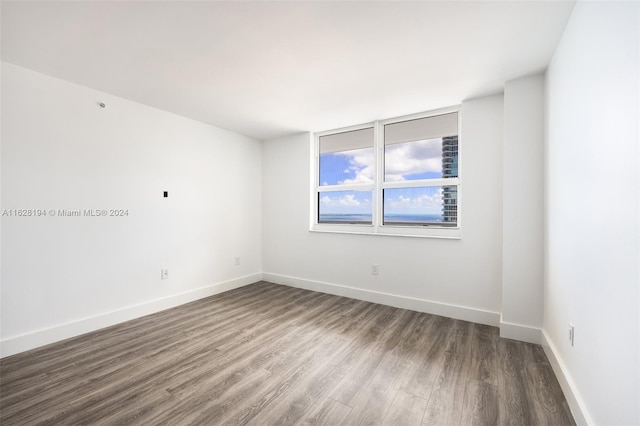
{"points": [[267, 354]]}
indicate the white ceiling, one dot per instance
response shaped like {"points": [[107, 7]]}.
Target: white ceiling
{"points": [[266, 69]]}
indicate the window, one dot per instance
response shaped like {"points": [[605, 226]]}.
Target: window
{"points": [[398, 176], [346, 176]]}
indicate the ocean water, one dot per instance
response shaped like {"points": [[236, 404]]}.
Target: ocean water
{"points": [[412, 218], [344, 218], [389, 218]]}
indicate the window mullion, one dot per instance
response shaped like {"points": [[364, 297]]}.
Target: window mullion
{"points": [[421, 183], [378, 143], [315, 180], [348, 187]]}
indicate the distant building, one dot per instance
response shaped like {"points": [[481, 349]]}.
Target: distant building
{"points": [[450, 170]]}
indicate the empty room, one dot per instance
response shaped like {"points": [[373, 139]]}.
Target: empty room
{"points": [[320, 212]]}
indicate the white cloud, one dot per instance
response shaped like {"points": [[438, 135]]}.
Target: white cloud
{"points": [[326, 200], [361, 164], [424, 203], [400, 160], [412, 157], [343, 201], [349, 200]]}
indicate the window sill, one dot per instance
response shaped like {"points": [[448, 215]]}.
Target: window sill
{"points": [[387, 231]]}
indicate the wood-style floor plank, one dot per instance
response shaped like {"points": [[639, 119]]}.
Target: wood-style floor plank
{"points": [[377, 391], [291, 410], [548, 401], [406, 409], [421, 381], [328, 412], [445, 400], [480, 404], [266, 354]]}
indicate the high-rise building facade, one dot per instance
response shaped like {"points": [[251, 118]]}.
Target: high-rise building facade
{"points": [[450, 170]]}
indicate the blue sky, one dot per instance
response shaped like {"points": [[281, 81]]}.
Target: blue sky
{"points": [[405, 161]]}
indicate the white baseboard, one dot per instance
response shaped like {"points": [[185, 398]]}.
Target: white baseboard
{"points": [[25, 342], [421, 305], [524, 333], [576, 404]]}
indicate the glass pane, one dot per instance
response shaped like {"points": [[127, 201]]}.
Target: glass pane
{"points": [[346, 158], [426, 148], [431, 205], [345, 207]]}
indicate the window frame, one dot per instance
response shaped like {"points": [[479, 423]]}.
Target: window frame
{"points": [[378, 185]]}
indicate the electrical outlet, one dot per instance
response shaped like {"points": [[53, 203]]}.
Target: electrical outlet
{"points": [[237, 261], [374, 269], [164, 274], [572, 334]]}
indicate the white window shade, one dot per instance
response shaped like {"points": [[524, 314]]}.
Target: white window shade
{"points": [[437, 126], [347, 141]]}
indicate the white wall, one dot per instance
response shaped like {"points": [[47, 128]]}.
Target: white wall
{"points": [[459, 278], [592, 211], [522, 209], [62, 276]]}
